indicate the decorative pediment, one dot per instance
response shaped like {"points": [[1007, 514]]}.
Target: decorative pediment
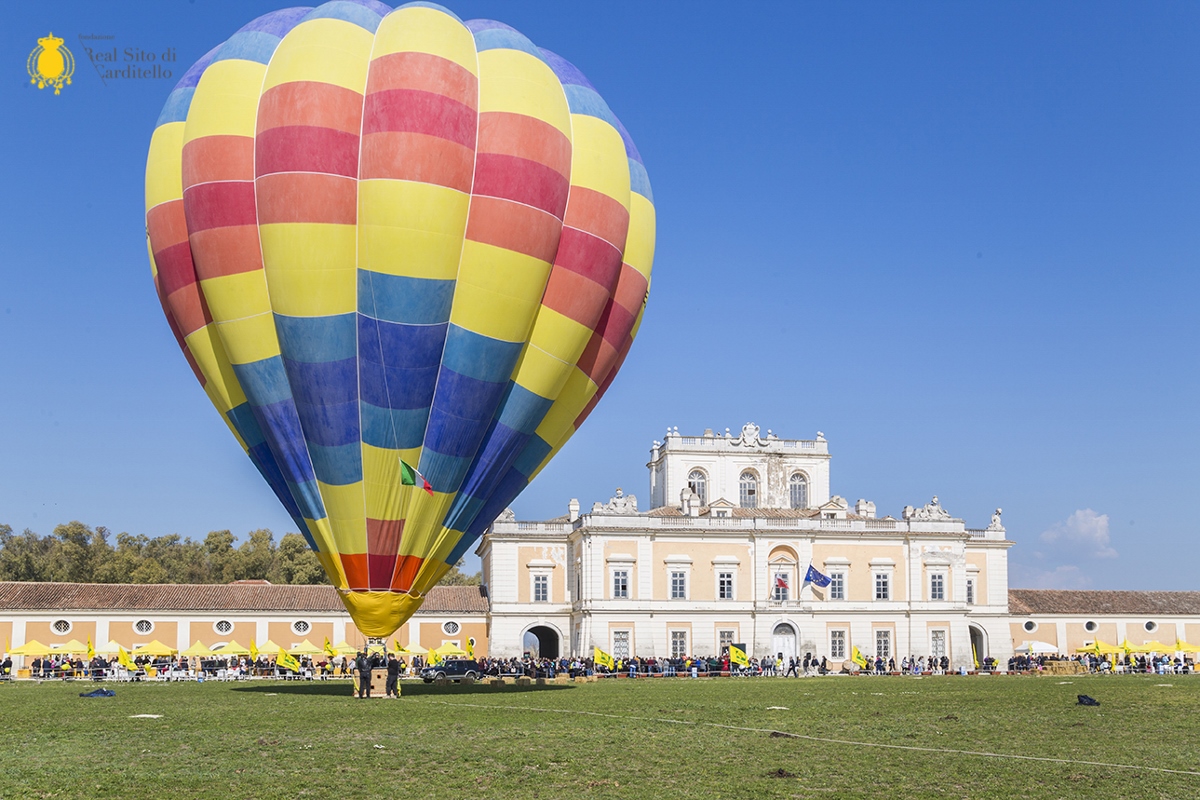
{"points": [[750, 436]]}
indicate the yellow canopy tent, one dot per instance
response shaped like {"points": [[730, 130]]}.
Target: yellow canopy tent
{"points": [[231, 649], [197, 650], [72, 647], [1183, 647], [110, 649], [32, 648], [269, 648], [155, 648], [416, 649], [344, 648], [306, 648], [1156, 647], [450, 649]]}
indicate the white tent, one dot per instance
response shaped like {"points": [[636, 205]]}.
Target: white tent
{"points": [[1036, 648]]}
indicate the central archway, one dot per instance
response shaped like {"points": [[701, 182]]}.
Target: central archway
{"points": [[783, 640], [541, 641]]}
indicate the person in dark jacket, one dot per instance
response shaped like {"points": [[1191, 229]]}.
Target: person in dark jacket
{"points": [[363, 667], [393, 675]]}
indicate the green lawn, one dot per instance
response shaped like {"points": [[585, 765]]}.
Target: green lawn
{"points": [[637, 739]]}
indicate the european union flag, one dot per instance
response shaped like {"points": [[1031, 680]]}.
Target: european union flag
{"points": [[816, 577]]}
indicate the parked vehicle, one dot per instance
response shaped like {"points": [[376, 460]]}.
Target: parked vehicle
{"points": [[454, 669]]}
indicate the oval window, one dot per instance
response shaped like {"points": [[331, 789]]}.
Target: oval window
{"points": [[61, 626], [222, 626], [1090, 626], [450, 628], [1030, 626], [143, 626], [300, 627]]}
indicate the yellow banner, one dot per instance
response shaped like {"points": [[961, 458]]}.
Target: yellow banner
{"points": [[601, 658], [287, 661], [738, 656]]}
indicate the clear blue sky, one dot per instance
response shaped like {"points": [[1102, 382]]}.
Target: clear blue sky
{"points": [[959, 238]]}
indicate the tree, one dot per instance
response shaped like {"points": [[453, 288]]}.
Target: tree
{"points": [[296, 563], [24, 556], [255, 556], [456, 577], [78, 552], [219, 552]]}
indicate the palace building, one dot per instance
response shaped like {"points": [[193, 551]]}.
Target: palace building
{"points": [[721, 556]]}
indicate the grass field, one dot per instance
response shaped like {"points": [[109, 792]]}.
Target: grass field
{"points": [[634, 739]]}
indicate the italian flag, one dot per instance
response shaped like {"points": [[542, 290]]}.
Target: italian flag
{"points": [[410, 477]]}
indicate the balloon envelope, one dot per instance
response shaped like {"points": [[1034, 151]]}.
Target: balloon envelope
{"points": [[404, 255]]}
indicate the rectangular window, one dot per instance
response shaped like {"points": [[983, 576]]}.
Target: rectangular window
{"points": [[837, 586], [883, 643], [620, 644], [970, 591], [937, 586], [937, 643], [620, 584], [781, 582], [725, 586], [541, 588], [679, 648], [883, 586], [678, 585], [837, 645], [724, 639]]}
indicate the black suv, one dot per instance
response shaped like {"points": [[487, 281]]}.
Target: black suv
{"points": [[455, 670]]}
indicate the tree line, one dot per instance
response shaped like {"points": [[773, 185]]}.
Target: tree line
{"points": [[77, 553]]}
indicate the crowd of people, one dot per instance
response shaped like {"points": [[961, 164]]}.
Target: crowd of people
{"points": [[324, 667], [1131, 663]]}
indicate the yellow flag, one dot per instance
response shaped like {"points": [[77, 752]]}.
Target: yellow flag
{"points": [[434, 657], [470, 648], [330, 650], [974, 655], [124, 660], [91, 650], [601, 658], [287, 661], [253, 651], [858, 658], [738, 656]]}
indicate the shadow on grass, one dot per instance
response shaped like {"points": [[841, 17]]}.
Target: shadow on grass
{"points": [[343, 689]]}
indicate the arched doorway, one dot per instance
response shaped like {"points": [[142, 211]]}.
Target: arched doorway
{"points": [[541, 641], [783, 640], [978, 643]]}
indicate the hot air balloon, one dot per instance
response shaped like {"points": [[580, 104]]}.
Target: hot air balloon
{"points": [[404, 255]]}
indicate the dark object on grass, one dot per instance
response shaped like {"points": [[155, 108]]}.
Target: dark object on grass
{"points": [[99, 693], [1084, 700]]}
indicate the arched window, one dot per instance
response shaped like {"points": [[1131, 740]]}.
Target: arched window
{"points": [[798, 486], [698, 483], [748, 490]]}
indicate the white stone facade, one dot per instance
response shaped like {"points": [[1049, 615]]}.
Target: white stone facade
{"points": [[693, 573]]}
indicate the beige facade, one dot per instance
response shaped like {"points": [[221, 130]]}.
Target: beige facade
{"points": [[180, 615], [733, 519], [692, 576]]}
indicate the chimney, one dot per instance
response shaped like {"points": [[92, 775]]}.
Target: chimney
{"points": [[573, 509], [865, 508]]}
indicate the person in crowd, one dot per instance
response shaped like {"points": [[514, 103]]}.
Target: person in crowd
{"points": [[362, 665], [393, 675]]}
